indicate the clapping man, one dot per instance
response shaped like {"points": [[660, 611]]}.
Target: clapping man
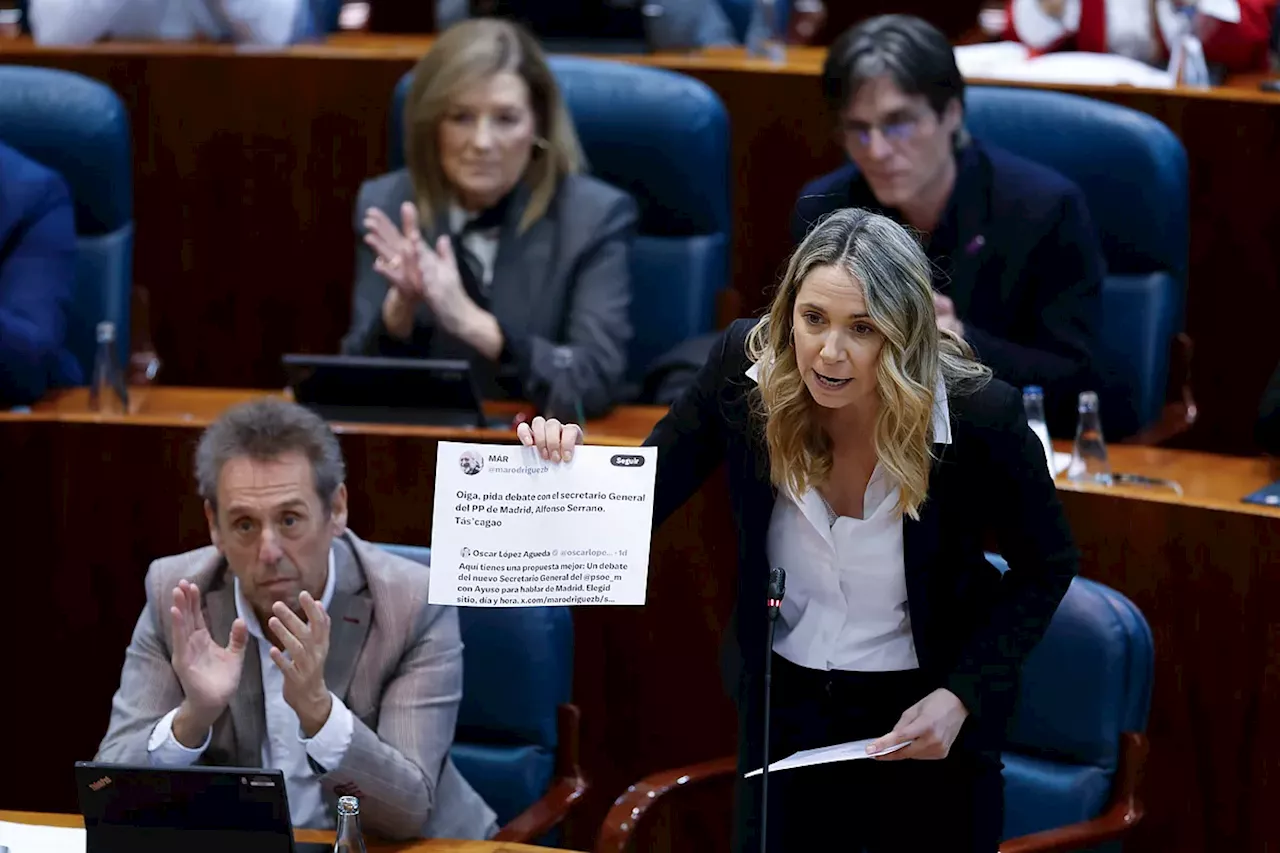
{"points": [[292, 644]]}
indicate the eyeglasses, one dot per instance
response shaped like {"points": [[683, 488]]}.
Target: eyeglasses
{"points": [[895, 132]]}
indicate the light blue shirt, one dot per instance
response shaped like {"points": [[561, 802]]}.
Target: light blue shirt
{"points": [[270, 23]]}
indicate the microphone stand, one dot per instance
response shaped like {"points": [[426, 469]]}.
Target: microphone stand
{"points": [[777, 588]]}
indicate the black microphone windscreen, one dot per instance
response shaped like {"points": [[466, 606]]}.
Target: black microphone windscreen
{"points": [[777, 583]]}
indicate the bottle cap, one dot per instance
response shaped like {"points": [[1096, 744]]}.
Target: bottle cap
{"points": [[1033, 389], [348, 806], [106, 332], [1088, 400]]}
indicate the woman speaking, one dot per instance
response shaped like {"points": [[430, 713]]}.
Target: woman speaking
{"points": [[868, 454]]}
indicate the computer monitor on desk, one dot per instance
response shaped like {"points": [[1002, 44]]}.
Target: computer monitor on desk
{"points": [[575, 26], [190, 809], [361, 389]]}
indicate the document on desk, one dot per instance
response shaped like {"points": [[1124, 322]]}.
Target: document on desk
{"points": [[510, 529], [851, 751], [35, 838]]}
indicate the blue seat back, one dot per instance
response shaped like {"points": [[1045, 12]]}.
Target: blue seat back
{"points": [[517, 671], [79, 128], [1087, 682], [664, 138], [1133, 173]]}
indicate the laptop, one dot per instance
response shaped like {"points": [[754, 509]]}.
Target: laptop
{"points": [[362, 389], [189, 809]]}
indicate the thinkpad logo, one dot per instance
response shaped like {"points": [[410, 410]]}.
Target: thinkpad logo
{"points": [[100, 784]]}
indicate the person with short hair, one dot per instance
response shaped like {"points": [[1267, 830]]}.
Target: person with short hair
{"points": [[492, 246], [37, 276], [292, 644], [1017, 266], [870, 456]]}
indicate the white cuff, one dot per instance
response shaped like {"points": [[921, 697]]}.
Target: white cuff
{"points": [[329, 745], [163, 749], [1037, 29]]}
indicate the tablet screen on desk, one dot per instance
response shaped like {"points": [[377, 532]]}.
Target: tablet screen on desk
{"points": [[361, 389], [1266, 496]]}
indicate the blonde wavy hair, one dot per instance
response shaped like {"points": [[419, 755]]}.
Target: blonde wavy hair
{"points": [[465, 54], [893, 272]]}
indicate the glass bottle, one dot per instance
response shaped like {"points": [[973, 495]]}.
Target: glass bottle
{"points": [[564, 400], [1187, 65], [1033, 404], [765, 33], [107, 393], [349, 837], [1089, 462]]}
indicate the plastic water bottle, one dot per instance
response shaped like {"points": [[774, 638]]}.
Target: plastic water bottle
{"points": [[1089, 462], [1187, 65], [564, 400], [107, 392], [765, 35], [1033, 404], [349, 838]]}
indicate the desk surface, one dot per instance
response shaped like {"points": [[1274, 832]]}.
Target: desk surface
{"points": [[316, 836], [1209, 481], [197, 407], [312, 835]]}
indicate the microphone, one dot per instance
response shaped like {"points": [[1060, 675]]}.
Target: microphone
{"points": [[777, 590]]}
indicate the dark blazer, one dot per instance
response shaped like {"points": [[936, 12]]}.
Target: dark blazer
{"points": [[564, 281], [972, 626], [37, 274], [1017, 253]]}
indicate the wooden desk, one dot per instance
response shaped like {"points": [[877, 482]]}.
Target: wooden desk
{"points": [[89, 504], [220, 177], [75, 821]]}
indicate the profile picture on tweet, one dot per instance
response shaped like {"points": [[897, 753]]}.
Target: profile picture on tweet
{"points": [[470, 462]]}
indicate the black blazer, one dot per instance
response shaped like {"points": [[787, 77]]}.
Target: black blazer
{"points": [[972, 626], [1017, 253]]}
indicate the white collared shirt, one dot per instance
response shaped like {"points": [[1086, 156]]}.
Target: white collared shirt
{"points": [[284, 748], [262, 22], [482, 244], [846, 602]]}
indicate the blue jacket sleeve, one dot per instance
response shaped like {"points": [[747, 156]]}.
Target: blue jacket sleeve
{"points": [[37, 268]]}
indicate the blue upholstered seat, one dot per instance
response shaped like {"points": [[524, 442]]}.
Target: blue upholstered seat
{"points": [[1085, 684], [79, 128], [664, 138], [517, 672], [1133, 172]]}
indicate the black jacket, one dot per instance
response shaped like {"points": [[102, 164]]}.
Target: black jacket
{"points": [[1016, 251], [972, 626]]}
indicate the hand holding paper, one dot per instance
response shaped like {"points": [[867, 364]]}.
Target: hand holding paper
{"points": [[929, 728]]}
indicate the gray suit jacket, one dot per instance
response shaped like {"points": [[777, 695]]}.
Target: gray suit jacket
{"points": [[564, 281], [395, 661]]}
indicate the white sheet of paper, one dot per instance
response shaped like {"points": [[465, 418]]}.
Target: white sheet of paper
{"points": [[851, 751], [512, 530], [30, 838], [1061, 461]]}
